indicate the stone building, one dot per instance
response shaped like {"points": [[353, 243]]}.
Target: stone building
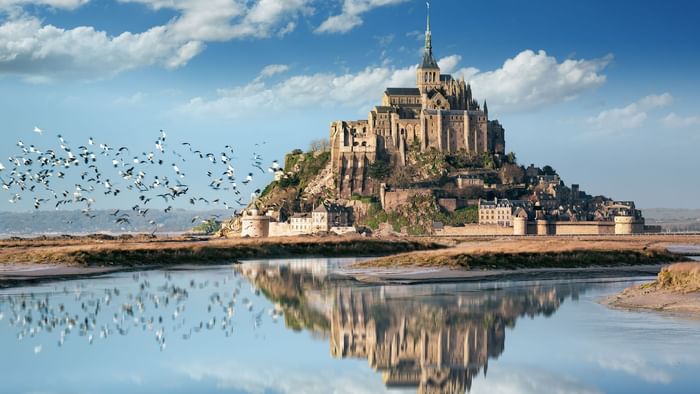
{"points": [[440, 113], [322, 219], [500, 212]]}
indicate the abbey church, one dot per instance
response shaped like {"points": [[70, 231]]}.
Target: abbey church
{"points": [[439, 113]]}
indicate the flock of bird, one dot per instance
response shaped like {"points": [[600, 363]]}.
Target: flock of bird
{"points": [[97, 313], [102, 170]]}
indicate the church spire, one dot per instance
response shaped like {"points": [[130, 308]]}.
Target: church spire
{"points": [[427, 29], [428, 60]]}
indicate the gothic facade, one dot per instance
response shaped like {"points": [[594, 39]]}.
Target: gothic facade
{"points": [[439, 113]]}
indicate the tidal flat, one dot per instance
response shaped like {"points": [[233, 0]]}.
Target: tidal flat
{"points": [[300, 325]]}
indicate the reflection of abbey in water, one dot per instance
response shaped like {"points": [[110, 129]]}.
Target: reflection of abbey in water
{"points": [[414, 336]]}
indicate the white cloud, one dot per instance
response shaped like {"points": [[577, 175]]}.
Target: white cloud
{"points": [[40, 52], [63, 4], [325, 90], [675, 121], [273, 69], [350, 17], [526, 380], [635, 366], [134, 99], [448, 64], [631, 116], [533, 80], [545, 84], [263, 379]]}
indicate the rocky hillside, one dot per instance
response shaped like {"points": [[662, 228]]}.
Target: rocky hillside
{"points": [[307, 180]]}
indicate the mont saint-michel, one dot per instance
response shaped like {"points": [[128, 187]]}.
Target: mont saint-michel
{"points": [[428, 160], [349, 196]]}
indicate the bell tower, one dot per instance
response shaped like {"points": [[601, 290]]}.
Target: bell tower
{"points": [[428, 73]]}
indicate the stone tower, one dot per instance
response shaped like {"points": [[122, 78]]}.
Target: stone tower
{"points": [[439, 113], [428, 73]]}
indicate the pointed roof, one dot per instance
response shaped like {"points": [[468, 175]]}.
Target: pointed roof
{"points": [[428, 59]]}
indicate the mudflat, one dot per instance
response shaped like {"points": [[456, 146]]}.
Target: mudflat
{"points": [[676, 289]]}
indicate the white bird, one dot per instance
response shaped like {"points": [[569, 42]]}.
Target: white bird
{"points": [[2, 167], [37, 349], [37, 130]]}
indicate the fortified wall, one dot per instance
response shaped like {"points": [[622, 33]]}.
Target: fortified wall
{"points": [[622, 225]]}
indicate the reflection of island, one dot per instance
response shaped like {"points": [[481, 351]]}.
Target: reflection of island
{"points": [[434, 338]]}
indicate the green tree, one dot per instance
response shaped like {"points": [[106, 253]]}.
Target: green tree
{"points": [[207, 227], [379, 170], [548, 170], [487, 161]]}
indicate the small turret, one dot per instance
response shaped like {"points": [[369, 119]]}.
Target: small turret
{"points": [[486, 109]]}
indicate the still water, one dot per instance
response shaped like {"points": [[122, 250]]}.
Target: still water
{"points": [[295, 326]]}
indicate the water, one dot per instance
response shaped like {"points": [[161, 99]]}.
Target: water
{"points": [[294, 326]]}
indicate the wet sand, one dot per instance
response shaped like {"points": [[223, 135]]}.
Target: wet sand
{"points": [[18, 275], [638, 298], [676, 289]]}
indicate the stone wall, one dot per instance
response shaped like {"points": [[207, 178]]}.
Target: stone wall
{"points": [[451, 204], [394, 199], [475, 229], [584, 228]]}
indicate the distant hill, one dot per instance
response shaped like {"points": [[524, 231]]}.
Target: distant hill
{"points": [[674, 219], [74, 222]]}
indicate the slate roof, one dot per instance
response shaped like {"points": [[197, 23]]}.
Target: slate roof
{"points": [[403, 91]]}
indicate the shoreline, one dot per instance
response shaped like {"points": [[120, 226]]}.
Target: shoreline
{"points": [[663, 301], [405, 259], [445, 275], [676, 289], [144, 251], [549, 252]]}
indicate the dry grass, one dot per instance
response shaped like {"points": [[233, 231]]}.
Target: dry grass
{"points": [[680, 278], [511, 252], [145, 250]]}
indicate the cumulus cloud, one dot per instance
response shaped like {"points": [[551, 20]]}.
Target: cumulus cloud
{"points": [[525, 380], [636, 366], [631, 116], [675, 121], [545, 84], [534, 79], [448, 64], [351, 90], [351, 15], [38, 51], [273, 69], [264, 379]]}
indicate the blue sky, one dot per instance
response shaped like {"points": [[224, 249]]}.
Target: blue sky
{"points": [[605, 92]]}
